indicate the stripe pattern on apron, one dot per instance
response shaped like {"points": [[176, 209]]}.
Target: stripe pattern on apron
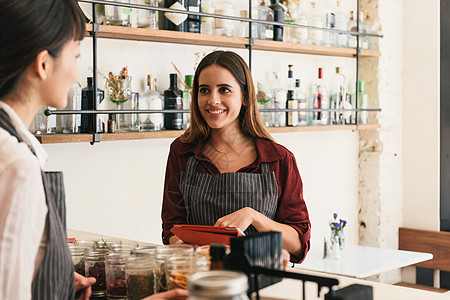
{"points": [[209, 197], [54, 279]]}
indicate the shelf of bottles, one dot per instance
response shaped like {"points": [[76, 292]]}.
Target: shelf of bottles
{"points": [[209, 22]]}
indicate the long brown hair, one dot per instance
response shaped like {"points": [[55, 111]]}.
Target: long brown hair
{"points": [[249, 121], [28, 27]]}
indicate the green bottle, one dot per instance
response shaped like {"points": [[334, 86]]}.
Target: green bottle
{"points": [[187, 96]]}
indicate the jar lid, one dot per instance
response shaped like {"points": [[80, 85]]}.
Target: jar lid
{"points": [[217, 284], [173, 250]]}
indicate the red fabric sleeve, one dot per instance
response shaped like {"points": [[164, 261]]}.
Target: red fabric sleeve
{"points": [[173, 209], [292, 209]]}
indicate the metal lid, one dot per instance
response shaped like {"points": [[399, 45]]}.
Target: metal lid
{"points": [[217, 284]]}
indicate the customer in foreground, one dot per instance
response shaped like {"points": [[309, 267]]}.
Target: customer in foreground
{"points": [[226, 169]]}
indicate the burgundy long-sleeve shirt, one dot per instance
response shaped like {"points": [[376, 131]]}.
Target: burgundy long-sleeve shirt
{"points": [[291, 208]]}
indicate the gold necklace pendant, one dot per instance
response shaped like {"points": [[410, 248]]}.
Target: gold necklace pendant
{"points": [[218, 150]]}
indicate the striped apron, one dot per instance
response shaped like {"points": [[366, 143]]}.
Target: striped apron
{"points": [[209, 197], [54, 279]]}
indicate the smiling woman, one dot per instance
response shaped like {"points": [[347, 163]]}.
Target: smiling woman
{"points": [[226, 170]]}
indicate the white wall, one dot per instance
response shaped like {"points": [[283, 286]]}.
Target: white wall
{"points": [[421, 105]]}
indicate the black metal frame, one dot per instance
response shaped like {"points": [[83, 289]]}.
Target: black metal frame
{"points": [[249, 46]]}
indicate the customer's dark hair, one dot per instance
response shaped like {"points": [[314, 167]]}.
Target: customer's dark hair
{"points": [[28, 27]]}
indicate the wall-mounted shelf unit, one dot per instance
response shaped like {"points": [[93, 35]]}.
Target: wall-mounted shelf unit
{"points": [[123, 136], [176, 37]]}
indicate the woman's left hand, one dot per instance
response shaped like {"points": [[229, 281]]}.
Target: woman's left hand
{"points": [[83, 286], [241, 219]]}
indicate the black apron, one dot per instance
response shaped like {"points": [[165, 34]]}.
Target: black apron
{"points": [[210, 197], [54, 279]]}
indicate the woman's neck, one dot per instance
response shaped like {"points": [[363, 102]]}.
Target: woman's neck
{"points": [[25, 109]]}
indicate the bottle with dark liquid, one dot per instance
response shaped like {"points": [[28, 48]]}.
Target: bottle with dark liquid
{"points": [[173, 99], [278, 16], [90, 123], [193, 22], [217, 253], [175, 21]]}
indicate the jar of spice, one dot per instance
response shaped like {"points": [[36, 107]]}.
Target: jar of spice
{"points": [[140, 276], [162, 253], [77, 253], [95, 267], [218, 285], [178, 270], [116, 284]]}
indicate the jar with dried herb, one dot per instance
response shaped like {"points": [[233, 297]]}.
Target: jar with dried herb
{"points": [[162, 253], [140, 276], [77, 253], [116, 283], [95, 267], [178, 270]]}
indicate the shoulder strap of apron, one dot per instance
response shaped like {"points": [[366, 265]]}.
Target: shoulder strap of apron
{"points": [[192, 164], [6, 124]]}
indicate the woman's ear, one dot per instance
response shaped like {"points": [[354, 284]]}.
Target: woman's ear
{"points": [[41, 64]]}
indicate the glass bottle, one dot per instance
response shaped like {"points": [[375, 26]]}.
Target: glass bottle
{"points": [[302, 103], [217, 253], [263, 97], [352, 39], [224, 26], [264, 31], [338, 92], [71, 123], [194, 22], [292, 102], [178, 271], [279, 98], [40, 122], [146, 18], [162, 253], [131, 121], [140, 276], [330, 22], [278, 16], [118, 15], [90, 123], [175, 21], [218, 285], [173, 99], [363, 100], [207, 26], [320, 101], [341, 24], [116, 282], [301, 34], [51, 122], [187, 96], [244, 27], [316, 20], [151, 99]]}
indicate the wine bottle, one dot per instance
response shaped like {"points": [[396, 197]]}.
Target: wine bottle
{"points": [[292, 103], [175, 21], [194, 22], [173, 99], [278, 16], [90, 123]]}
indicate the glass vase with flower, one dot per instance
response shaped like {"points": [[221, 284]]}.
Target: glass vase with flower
{"points": [[118, 90], [337, 238]]}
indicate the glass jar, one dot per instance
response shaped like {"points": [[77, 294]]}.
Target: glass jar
{"points": [[150, 250], [163, 252], [178, 270], [123, 246], [140, 276], [118, 15], [116, 283], [95, 267], [131, 121], [145, 18], [215, 285], [77, 253]]}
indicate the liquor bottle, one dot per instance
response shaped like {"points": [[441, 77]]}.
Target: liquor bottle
{"points": [[363, 100], [217, 253], [175, 21], [71, 123], [320, 101], [90, 123], [173, 99], [338, 92], [352, 39], [341, 24], [279, 98], [151, 99], [194, 22], [330, 22], [316, 20], [187, 100], [292, 102], [51, 122], [278, 16], [264, 31], [302, 103]]}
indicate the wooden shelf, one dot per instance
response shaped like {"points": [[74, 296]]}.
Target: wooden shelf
{"points": [[86, 138], [142, 34]]}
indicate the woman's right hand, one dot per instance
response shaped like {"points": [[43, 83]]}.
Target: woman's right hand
{"points": [[173, 294]]}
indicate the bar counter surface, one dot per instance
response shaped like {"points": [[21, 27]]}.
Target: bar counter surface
{"points": [[290, 289]]}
